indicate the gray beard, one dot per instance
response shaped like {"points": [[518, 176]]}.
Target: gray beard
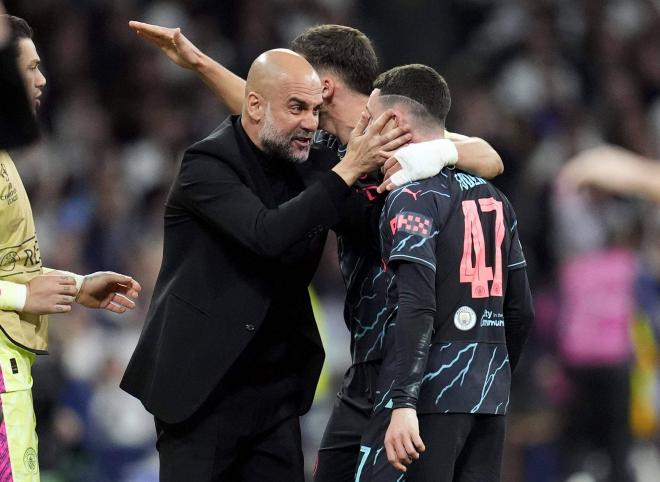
{"points": [[277, 145]]}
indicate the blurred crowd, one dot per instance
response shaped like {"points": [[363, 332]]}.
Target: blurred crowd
{"points": [[540, 80]]}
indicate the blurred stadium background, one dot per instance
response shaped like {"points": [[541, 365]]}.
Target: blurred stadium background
{"points": [[540, 80]]}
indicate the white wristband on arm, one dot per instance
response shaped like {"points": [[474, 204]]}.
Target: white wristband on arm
{"points": [[423, 160], [12, 296]]}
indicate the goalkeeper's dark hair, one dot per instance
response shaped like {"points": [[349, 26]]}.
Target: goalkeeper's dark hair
{"points": [[19, 29], [341, 50], [424, 90]]}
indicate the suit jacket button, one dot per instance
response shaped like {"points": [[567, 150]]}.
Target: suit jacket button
{"points": [[249, 327]]}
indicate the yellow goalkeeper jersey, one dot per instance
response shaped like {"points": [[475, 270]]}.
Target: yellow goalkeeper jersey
{"points": [[20, 259]]}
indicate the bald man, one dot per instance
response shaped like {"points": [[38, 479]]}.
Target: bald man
{"points": [[230, 355]]}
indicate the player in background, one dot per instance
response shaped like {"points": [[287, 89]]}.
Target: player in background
{"points": [[17, 123], [459, 310], [29, 292], [347, 65]]}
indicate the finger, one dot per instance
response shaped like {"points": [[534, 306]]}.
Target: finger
{"points": [[66, 280], [391, 162], [362, 124], [382, 187], [410, 448], [131, 291], [158, 40], [391, 171], [419, 444], [136, 285], [150, 29], [123, 301], [401, 453], [66, 289], [132, 286], [115, 308], [392, 457], [394, 139], [66, 300], [69, 290], [383, 119], [62, 308]]}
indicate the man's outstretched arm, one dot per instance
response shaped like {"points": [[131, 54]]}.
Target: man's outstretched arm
{"points": [[614, 170], [228, 87]]}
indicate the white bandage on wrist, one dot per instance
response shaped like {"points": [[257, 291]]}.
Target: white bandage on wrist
{"points": [[12, 296], [423, 160]]}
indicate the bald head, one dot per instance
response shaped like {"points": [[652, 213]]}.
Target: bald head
{"points": [[282, 101], [278, 67]]}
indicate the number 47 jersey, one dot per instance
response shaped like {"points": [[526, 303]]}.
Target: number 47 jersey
{"points": [[465, 230]]}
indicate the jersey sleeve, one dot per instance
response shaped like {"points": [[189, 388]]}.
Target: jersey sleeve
{"points": [[409, 225]]}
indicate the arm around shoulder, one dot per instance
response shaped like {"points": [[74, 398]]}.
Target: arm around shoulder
{"points": [[476, 156]]}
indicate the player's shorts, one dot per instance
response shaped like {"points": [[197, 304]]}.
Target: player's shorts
{"points": [[340, 446], [18, 437], [459, 447]]}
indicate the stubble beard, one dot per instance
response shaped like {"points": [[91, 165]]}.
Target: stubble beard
{"points": [[280, 145]]}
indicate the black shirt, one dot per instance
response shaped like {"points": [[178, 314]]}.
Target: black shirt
{"points": [[273, 357]]}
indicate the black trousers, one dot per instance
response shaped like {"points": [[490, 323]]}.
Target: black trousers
{"points": [[459, 448], [339, 452], [238, 437]]}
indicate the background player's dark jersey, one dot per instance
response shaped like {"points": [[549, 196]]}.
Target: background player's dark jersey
{"points": [[464, 229], [362, 270]]}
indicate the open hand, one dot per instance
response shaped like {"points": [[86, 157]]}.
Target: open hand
{"points": [[171, 41], [109, 291]]}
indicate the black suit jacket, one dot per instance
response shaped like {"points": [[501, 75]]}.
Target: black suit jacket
{"points": [[226, 245]]}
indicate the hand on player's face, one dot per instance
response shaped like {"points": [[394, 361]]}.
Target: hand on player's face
{"points": [[402, 441]]}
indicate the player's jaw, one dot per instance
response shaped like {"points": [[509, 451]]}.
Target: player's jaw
{"points": [[28, 61], [292, 146]]}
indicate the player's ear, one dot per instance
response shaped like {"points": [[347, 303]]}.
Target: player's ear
{"points": [[255, 106], [328, 88]]}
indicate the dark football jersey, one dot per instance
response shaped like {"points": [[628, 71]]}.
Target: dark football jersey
{"points": [[363, 273], [463, 229]]}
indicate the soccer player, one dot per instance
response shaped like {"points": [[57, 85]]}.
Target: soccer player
{"points": [[347, 65], [29, 292], [17, 123], [458, 310]]}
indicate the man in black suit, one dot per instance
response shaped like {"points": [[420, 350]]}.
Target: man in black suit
{"points": [[230, 355]]}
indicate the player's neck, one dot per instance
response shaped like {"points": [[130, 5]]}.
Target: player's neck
{"points": [[423, 135], [345, 113]]}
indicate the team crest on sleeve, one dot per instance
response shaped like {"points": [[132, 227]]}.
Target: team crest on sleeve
{"points": [[412, 223], [465, 318]]}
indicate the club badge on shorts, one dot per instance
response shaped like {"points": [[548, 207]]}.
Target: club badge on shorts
{"points": [[465, 318]]}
